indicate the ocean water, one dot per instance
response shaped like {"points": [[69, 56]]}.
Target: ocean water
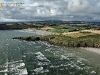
{"points": [[39, 58]]}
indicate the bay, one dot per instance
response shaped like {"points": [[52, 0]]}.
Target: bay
{"points": [[39, 58]]}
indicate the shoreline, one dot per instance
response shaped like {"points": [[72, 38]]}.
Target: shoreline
{"points": [[95, 50], [61, 40], [39, 32]]}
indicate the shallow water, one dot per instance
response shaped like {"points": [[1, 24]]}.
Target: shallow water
{"points": [[39, 58]]}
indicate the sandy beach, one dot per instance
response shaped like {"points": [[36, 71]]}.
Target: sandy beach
{"points": [[95, 50], [32, 30]]}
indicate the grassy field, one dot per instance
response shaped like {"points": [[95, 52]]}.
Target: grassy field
{"points": [[68, 28]]}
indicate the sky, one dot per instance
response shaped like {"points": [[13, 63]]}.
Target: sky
{"points": [[67, 10]]}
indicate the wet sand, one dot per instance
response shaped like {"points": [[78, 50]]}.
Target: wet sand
{"points": [[95, 50]]}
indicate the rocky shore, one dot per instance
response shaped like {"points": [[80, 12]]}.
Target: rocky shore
{"points": [[61, 40]]}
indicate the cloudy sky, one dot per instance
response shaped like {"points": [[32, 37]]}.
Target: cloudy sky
{"points": [[67, 10]]}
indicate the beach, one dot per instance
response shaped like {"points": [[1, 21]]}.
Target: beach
{"points": [[32, 30], [95, 50]]}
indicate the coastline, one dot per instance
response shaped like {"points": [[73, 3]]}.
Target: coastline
{"points": [[95, 50], [61, 40]]}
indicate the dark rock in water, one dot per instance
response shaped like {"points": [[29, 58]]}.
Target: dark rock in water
{"points": [[37, 38], [28, 38], [17, 38]]}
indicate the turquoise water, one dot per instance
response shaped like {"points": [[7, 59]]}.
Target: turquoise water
{"points": [[39, 58]]}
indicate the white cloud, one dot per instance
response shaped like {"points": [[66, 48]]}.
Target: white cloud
{"points": [[56, 9], [78, 5]]}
